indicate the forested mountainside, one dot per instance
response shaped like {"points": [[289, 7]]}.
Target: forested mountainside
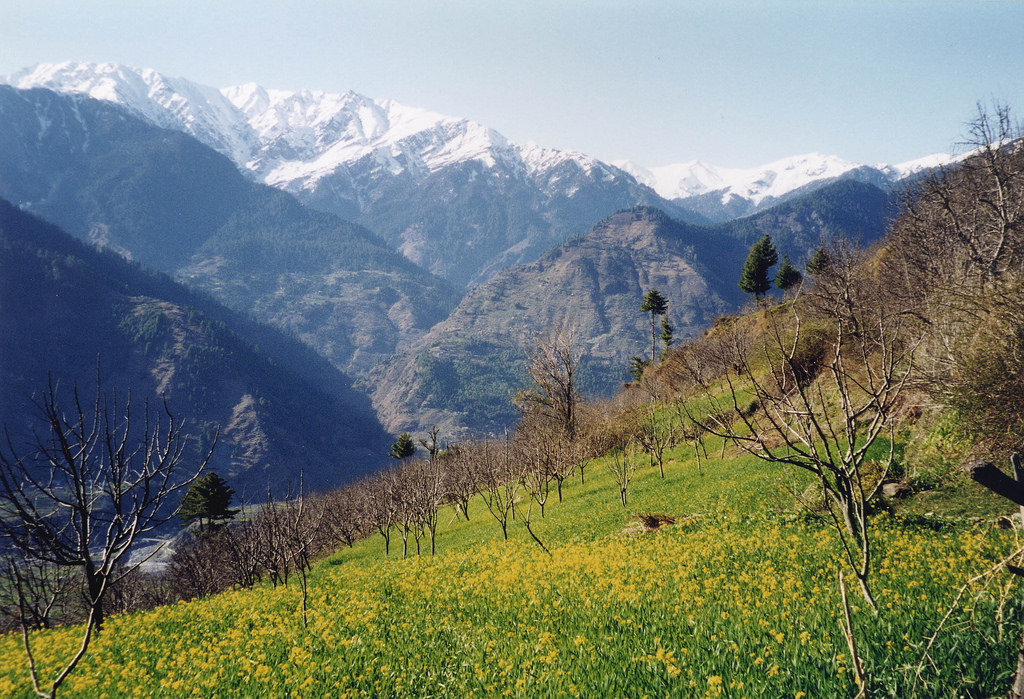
{"points": [[69, 311], [857, 211], [464, 371], [171, 203]]}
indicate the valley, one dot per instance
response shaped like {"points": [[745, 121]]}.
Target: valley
{"points": [[426, 364], [463, 232]]}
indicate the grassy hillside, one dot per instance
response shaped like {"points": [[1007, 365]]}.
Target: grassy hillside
{"points": [[738, 598]]}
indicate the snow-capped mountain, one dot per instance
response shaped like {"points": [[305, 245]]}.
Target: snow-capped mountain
{"points": [[453, 195], [767, 184], [293, 139], [414, 176], [683, 180]]}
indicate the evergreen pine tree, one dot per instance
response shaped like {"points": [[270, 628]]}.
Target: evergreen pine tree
{"points": [[403, 448], [656, 304], [666, 335], [637, 366], [788, 276], [208, 500], [818, 263], [754, 277]]}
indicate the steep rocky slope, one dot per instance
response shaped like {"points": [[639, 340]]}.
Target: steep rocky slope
{"points": [[464, 371], [166, 201], [69, 311]]}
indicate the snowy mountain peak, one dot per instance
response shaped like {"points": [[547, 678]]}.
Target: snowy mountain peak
{"points": [[912, 167], [278, 136], [683, 180], [294, 140], [173, 103]]}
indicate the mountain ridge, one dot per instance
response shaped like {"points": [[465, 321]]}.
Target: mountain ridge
{"points": [[73, 312], [364, 158], [591, 284], [172, 203], [723, 194], [462, 374]]}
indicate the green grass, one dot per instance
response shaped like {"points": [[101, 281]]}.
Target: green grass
{"points": [[739, 599]]}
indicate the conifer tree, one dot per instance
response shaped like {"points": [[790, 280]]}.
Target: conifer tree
{"points": [[403, 448], [754, 277], [666, 335], [656, 304], [637, 366], [208, 500], [818, 263], [788, 276]]}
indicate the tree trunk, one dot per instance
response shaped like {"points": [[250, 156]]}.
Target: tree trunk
{"points": [[1017, 690], [95, 584]]}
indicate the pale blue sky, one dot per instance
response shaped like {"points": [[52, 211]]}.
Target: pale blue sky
{"points": [[736, 84]]}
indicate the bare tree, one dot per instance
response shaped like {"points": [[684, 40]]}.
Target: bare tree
{"points": [[302, 519], [958, 247], [551, 412], [382, 503], [346, 516], [623, 467], [499, 474], [537, 452], [242, 554], [655, 433], [427, 485], [430, 443], [35, 592], [963, 223], [268, 528], [199, 567], [553, 364], [460, 477], [593, 436], [817, 389], [136, 590], [99, 478], [690, 431], [405, 500]]}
